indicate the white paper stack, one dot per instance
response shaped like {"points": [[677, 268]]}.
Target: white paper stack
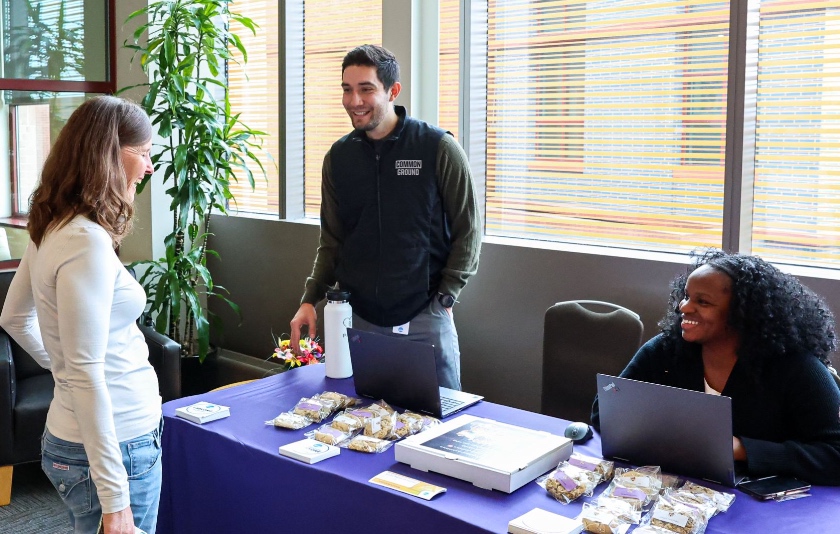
{"points": [[203, 412], [309, 450], [539, 521]]}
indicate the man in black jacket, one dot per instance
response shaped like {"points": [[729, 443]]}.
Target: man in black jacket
{"points": [[400, 222]]}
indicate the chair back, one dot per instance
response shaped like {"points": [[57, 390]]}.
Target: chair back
{"points": [[582, 338]]}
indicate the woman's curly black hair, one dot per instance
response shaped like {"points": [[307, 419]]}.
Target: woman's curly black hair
{"points": [[775, 315]]}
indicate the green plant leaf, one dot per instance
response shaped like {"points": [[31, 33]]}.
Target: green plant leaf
{"points": [[186, 47]]}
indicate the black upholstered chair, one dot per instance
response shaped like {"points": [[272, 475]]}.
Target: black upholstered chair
{"points": [[582, 338], [26, 391]]}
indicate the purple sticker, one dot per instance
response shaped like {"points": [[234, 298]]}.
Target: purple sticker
{"points": [[629, 493], [309, 406], [334, 432], [583, 464], [364, 414], [400, 424], [565, 480]]}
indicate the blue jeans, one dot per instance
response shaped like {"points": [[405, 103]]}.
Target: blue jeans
{"points": [[66, 465], [434, 326]]}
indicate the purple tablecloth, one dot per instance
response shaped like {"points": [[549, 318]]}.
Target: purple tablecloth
{"points": [[226, 476]]}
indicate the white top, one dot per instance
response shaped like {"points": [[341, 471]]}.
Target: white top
{"points": [[709, 388], [73, 306]]}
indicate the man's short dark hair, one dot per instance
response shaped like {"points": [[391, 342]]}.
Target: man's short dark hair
{"points": [[387, 68]]}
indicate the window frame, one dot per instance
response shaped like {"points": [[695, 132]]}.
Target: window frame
{"points": [[18, 219]]}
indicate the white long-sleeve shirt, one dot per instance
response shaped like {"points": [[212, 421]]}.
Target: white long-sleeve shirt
{"points": [[73, 306]]}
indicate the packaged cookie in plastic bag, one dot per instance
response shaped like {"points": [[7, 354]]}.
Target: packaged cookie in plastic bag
{"points": [[364, 443], [362, 413], [602, 520], [723, 500], [313, 409], [699, 501], [346, 421], [603, 468], [329, 435], [569, 482], [639, 486], [290, 420], [381, 408], [340, 401], [381, 427], [650, 529], [677, 517], [405, 427], [629, 511]]}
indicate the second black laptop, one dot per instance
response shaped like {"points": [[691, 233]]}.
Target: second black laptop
{"points": [[403, 373]]}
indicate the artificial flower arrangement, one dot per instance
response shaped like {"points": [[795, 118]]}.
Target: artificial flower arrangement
{"points": [[310, 352]]}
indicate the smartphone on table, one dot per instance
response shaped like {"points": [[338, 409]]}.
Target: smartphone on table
{"points": [[773, 487]]}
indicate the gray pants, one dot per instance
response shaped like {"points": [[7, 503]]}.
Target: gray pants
{"points": [[435, 326]]}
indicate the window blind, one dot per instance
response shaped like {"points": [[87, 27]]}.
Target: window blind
{"points": [[796, 211], [331, 29], [253, 93], [606, 121], [450, 58]]}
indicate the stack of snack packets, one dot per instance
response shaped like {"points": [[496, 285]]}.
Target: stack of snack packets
{"points": [[308, 410], [312, 410], [385, 426]]}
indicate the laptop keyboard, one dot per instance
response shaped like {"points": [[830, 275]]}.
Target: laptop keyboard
{"points": [[448, 404]]}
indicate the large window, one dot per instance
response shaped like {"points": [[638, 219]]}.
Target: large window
{"points": [[796, 214], [55, 54], [605, 121], [637, 124], [450, 66], [327, 38], [254, 93]]}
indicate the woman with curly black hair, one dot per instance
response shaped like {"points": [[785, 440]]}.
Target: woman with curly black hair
{"points": [[739, 327]]}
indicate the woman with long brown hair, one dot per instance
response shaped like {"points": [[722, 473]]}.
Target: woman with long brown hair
{"points": [[73, 306]]}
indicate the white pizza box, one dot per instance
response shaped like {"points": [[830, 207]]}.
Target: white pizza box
{"points": [[490, 454]]}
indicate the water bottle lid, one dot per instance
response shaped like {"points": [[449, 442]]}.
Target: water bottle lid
{"points": [[338, 295]]}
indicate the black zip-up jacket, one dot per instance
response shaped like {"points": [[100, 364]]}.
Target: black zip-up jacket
{"points": [[396, 235]]}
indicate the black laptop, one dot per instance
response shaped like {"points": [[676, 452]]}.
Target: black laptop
{"points": [[403, 373], [685, 432]]}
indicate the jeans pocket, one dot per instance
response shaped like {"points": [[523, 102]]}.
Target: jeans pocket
{"points": [[71, 479], [143, 454]]}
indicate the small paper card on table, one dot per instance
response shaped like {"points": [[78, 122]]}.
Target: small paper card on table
{"points": [[392, 480]]}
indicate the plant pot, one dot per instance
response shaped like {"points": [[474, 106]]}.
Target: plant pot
{"points": [[199, 377]]}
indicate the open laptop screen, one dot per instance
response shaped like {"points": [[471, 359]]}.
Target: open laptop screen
{"points": [[685, 432]]}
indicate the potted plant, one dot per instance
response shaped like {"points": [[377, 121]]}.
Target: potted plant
{"points": [[205, 147]]}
